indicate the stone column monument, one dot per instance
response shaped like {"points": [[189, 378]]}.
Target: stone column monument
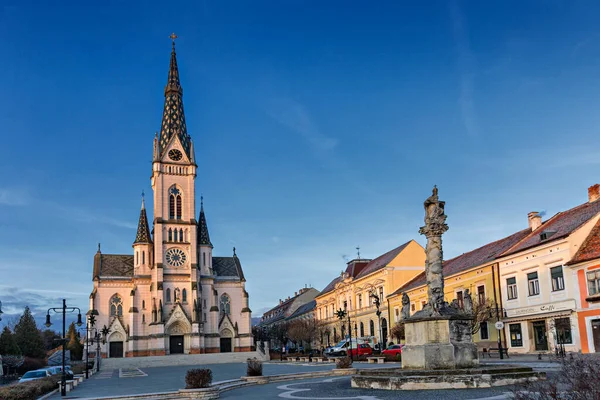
{"points": [[438, 336]]}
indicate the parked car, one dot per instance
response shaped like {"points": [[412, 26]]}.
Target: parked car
{"points": [[363, 350], [57, 370], [394, 350], [35, 374]]}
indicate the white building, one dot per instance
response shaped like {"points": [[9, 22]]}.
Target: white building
{"points": [[540, 294], [171, 295]]}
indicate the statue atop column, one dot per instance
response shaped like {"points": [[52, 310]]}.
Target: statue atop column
{"points": [[435, 226]]}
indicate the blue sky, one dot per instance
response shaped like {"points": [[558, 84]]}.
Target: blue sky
{"points": [[318, 126]]}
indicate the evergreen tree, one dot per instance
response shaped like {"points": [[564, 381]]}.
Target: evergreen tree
{"points": [[74, 344], [51, 339], [28, 337], [8, 344]]}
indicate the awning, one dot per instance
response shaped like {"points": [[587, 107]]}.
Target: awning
{"points": [[564, 313]]}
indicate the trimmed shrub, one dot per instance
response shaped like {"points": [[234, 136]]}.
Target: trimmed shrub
{"points": [[28, 390], [344, 362], [198, 378], [255, 367]]}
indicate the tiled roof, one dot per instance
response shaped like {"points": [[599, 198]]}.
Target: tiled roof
{"points": [[116, 265], [590, 248], [382, 261], [228, 266], [303, 309], [562, 224], [331, 286], [173, 121], [143, 232], [481, 256], [203, 236]]}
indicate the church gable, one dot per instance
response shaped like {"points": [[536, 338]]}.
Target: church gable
{"points": [[226, 327], [178, 318], [175, 152]]}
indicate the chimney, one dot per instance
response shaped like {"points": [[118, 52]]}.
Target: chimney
{"points": [[296, 294], [594, 192], [535, 220], [280, 301]]}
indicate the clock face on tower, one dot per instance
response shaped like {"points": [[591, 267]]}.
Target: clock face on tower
{"points": [[175, 257], [175, 155]]}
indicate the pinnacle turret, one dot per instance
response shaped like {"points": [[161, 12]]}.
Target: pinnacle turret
{"points": [[203, 236], [143, 231]]}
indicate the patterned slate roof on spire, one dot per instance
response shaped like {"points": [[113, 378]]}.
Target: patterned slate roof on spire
{"points": [[143, 231], [203, 236], [173, 119]]}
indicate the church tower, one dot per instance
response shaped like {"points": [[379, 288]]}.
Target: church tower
{"points": [[173, 183]]}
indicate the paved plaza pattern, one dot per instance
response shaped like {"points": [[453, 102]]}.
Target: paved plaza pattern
{"points": [[132, 381]]}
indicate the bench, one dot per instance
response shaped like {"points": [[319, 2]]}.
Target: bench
{"points": [[491, 350], [318, 359], [304, 359], [373, 360]]}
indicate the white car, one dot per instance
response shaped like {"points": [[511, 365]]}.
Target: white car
{"points": [[33, 375]]}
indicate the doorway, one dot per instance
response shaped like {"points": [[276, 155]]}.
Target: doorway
{"points": [[115, 350], [225, 345], [176, 344], [539, 335], [596, 334]]}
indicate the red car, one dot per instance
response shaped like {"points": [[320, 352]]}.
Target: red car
{"points": [[363, 350], [393, 350]]}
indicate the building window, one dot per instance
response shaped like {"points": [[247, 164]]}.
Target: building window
{"points": [[593, 278], [511, 288], [362, 329], [143, 304], [204, 317], [225, 305], [516, 339], [381, 295], [174, 203], [372, 327], [170, 235], [204, 259], [413, 307], [143, 318], [396, 314], [116, 306], [533, 283], [481, 294], [558, 281], [360, 301], [168, 295], [459, 299], [137, 260], [484, 334], [423, 304], [143, 257], [181, 239], [184, 296], [563, 330], [178, 216]]}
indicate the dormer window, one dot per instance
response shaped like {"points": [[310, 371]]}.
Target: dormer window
{"points": [[546, 234]]}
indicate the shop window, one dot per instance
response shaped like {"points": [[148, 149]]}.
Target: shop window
{"points": [[516, 337], [558, 281], [593, 278], [484, 333], [533, 283], [563, 330], [511, 288]]}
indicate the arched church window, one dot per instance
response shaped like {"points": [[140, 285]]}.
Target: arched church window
{"points": [[136, 258], [143, 257], [184, 296], [176, 295], [174, 203], [181, 235], [204, 259], [116, 306], [168, 295], [170, 235], [143, 304], [225, 305], [175, 235]]}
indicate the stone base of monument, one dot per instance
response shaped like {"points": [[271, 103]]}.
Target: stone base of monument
{"points": [[461, 378], [436, 342]]}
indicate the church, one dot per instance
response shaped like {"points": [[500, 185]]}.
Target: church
{"points": [[171, 295]]}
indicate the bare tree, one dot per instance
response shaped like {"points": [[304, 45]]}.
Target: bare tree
{"points": [[398, 331], [482, 312]]}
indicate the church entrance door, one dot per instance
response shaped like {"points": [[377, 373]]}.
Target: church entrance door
{"points": [[226, 345], [176, 344], [115, 350]]}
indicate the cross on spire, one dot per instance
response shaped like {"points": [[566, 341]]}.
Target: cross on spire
{"points": [[173, 37]]}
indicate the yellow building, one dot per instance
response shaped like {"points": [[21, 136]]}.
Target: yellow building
{"points": [[476, 271], [353, 290]]}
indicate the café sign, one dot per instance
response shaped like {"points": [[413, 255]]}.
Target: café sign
{"points": [[541, 308]]}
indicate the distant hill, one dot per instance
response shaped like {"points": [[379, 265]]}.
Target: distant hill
{"points": [[254, 321]]}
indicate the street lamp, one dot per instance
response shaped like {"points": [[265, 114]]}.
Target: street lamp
{"points": [[63, 310], [341, 314], [89, 326], [378, 313]]}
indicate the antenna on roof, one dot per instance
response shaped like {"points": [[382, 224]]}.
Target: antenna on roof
{"points": [[358, 251]]}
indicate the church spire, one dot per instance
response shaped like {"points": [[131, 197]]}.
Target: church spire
{"points": [[143, 231], [173, 120], [203, 237]]}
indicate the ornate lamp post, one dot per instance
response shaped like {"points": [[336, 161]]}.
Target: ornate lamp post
{"points": [[341, 314], [63, 310]]}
